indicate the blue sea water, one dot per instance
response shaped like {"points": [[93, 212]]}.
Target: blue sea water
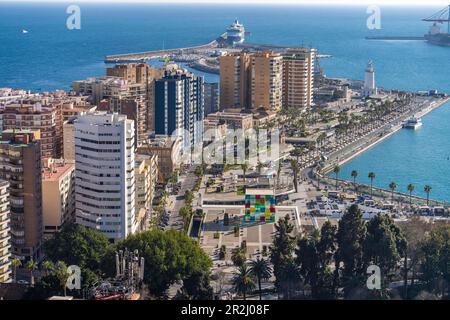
{"points": [[50, 57]]}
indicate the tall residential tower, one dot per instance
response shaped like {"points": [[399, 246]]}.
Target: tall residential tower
{"points": [[104, 171]]}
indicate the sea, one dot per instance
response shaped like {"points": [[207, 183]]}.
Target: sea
{"points": [[50, 56]]}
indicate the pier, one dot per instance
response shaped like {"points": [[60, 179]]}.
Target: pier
{"points": [[147, 55], [197, 56]]}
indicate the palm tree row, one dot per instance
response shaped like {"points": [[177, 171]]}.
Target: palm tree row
{"points": [[244, 279], [392, 186]]}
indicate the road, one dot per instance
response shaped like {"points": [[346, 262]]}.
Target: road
{"points": [[187, 181]]}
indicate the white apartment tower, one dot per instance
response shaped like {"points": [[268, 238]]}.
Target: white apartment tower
{"points": [[104, 173], [369, 80]]}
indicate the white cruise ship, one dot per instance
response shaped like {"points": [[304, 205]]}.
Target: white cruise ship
{"points": [[235, 33], [412, 123]]}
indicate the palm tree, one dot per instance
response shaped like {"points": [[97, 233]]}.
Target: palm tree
{"points": [[371, 177], [354, 174], [244, 167], [243, 281], [295, 170], [410, 188], [392, 186], [261, 270], [62, 275], [31, 266], [15, 263], [47, 266], [427, 189], [336, 171]]}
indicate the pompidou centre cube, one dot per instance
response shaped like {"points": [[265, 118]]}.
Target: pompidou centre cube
{"points": [[259, 205]]}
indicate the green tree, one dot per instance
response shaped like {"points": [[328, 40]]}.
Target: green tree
{"points": [[354, 175], [238, 256], [60, 272], [243, 281], [81, 246], [392, 187], [427, 190], [170, 256], [314, 255], [384, 246], [196, 287], [415, 230], [15, 263], [296, 170], [336, 171], [350, 237], [261, 270], [31, 265], [47, 266], [410, 188], [436, 260], [281, 251], [371, 177]]}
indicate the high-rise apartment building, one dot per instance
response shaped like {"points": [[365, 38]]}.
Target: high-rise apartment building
{"points": [[211, 98], [58, 195], [298, 78], [235, 81], [251, 81], [46, 118], [123, 95], [132, 72], [267, 81], [5, 236], [179, 106], [20, 165], [105, 173]]}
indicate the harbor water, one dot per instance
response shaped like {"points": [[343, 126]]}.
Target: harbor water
{"points": [[50, 57]]}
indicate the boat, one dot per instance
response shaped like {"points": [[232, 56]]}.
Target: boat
{"points": [[412, 123], [435, 35], [235, 33]]}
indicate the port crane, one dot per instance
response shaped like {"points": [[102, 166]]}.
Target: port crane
{"points": [[441, 16]]}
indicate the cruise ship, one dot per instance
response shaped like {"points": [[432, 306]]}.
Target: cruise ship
{"points": [[412, 123], [235, 33]]}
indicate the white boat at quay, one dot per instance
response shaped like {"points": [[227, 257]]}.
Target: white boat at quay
{"points": [[412, 123]]}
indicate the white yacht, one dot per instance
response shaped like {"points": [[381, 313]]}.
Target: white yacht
{"points": [[412, 123]]}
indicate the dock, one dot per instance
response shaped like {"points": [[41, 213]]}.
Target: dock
{"points": [[147, 55]]}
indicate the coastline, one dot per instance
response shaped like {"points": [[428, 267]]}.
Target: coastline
{"points": [[363, 146]]}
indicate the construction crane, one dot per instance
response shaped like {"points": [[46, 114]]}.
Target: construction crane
{"points": [[441, 16]]}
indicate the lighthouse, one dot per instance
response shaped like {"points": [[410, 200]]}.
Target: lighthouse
{"points": [[369, 80]]}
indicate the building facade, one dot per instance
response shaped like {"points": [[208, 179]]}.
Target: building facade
{"points": [[45, 118], [5, 237], [298, 78], [58, 195], [179, 106], [146, 179], [20, 165], [211, 98], [105, 174], [235, 81], [267, 81]]}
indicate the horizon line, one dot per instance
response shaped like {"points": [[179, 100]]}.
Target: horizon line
{"points": [[399, 3]]}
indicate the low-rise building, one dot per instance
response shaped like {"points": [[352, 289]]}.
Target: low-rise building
{"points": [[168, 149], [58, 195], [146, 171]]}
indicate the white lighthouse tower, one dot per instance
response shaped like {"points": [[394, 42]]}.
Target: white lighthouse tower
{"points": [[369, 80]]}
